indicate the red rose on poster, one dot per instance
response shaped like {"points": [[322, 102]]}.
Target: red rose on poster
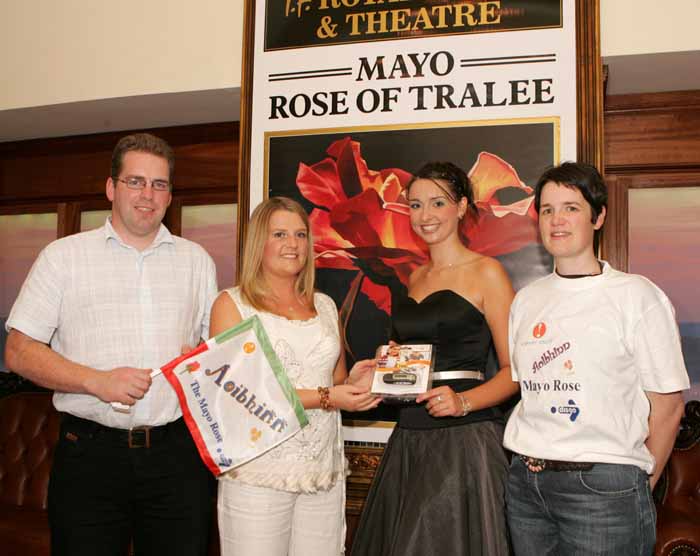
{"points": [[506, 219], [363, 214]]}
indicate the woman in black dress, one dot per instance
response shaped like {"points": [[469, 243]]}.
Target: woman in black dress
{"points": [[440, 487]]}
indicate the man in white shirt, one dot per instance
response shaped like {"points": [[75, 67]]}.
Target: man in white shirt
{"points": [[96, 313], [598, 357]]}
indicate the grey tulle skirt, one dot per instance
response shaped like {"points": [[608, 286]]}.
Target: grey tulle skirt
{"points": [[438, 492]]}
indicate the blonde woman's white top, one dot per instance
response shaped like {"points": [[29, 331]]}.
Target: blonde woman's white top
{"points": [[313, 459]]}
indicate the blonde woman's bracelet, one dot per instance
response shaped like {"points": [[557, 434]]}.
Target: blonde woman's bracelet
{"points": [[324, 395]]}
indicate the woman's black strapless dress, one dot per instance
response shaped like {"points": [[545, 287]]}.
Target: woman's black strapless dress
{"points": [[439, 490]]}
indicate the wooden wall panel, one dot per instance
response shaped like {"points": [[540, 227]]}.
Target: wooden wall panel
{"points": [[651, 140], [589, 83], [76, 168], [660, 131], [68, 174], [363, 463]]}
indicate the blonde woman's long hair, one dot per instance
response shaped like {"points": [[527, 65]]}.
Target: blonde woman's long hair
{"points": [[253, 286]]}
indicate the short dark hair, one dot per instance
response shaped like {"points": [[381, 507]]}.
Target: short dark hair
{"points": [[584, 177], [577, 175], [459, 183], [146, 143]]}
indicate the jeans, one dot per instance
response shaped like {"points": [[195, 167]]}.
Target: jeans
{"points": [[607, 510]]}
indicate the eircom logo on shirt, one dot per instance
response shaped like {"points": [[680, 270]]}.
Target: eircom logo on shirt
{"points": [[572, 410]]}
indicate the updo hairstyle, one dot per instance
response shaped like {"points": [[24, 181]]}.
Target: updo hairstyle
{"points": [[458, 182]]}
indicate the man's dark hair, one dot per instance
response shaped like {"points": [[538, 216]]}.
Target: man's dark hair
{"points": [[459, 183], [145, 143], [585, 178]]}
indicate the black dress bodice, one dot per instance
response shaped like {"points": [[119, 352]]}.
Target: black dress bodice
{"points": [[456, 328], [461, 339]]}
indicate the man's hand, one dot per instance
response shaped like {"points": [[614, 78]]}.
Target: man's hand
{"points": [[125, 385], [40, 364]]}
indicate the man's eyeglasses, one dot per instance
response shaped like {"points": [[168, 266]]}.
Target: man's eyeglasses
{"points": [[139, 182]]}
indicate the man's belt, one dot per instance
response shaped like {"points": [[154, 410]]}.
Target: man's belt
{"points": [[139, 437]]}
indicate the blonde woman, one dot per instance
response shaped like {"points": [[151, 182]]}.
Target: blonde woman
{"points": [[290, 501]]}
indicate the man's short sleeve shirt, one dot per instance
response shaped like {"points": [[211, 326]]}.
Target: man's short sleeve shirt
{"points": [[104, 304]]}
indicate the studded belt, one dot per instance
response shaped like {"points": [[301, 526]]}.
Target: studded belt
{"points": [[537, 465]]}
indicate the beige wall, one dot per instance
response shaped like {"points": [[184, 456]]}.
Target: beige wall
{"points": [[58, 51], [649, 26]]}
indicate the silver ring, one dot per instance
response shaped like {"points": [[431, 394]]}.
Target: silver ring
{"points": [[439, 398]]}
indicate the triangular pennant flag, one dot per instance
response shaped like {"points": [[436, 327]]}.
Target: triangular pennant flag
{"points": [[235, 396]]}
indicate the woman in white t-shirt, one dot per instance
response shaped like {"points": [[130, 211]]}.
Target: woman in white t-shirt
{"points": [[598, 358], [290, 500]]}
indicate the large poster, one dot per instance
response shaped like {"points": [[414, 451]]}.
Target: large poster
{"points": [[348, 64], [346, 98]]}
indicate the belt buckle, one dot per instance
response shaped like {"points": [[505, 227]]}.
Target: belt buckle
{"points": [[535, 465], [139, 437]]}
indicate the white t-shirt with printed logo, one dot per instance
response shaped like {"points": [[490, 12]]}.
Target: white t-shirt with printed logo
{"points": [[584, 351]]}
